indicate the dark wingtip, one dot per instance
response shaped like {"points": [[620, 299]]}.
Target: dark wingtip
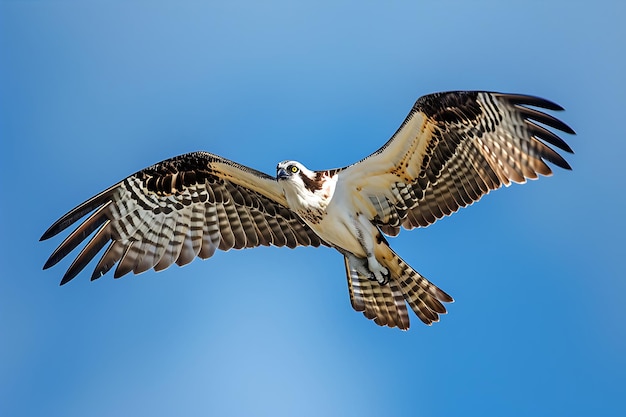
{"points": [[566, 128], [569, 130], [528, 100], [61, 224], [96, 274], [47, 234], [50, 263], [76, 213], [564, 164], [65, 280], [544, 118]]}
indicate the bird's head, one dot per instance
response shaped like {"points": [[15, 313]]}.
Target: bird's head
{"points": [[289, 170], [296, 179]]}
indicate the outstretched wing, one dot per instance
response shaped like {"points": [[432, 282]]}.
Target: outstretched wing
{"points": [[452, 149], [176, 210]]}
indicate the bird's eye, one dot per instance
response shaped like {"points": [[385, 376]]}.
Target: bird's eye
{"points": [[293, 169]]}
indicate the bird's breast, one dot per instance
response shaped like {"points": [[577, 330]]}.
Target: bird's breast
{"points": [[335, 224]]}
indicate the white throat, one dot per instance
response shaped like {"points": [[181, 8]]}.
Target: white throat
{"points": [[300, 198]]}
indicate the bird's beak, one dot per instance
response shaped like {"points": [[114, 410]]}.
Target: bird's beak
{"points": [[282, 174]]}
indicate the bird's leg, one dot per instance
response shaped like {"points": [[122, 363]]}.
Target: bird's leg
{"points": [[381, 274], [360, 264], [369, 236]]}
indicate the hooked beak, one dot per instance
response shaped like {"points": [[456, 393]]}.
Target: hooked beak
{"points": [[282, 174]]}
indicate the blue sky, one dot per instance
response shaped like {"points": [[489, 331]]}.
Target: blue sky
{"points": [[93, 91]]}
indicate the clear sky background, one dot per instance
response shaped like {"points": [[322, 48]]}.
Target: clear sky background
{"points": [[92, 91]]}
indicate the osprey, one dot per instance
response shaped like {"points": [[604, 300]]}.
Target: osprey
{"points": [[451, 149]]}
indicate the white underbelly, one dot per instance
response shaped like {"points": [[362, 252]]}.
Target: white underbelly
{"points": [[338, 228]]}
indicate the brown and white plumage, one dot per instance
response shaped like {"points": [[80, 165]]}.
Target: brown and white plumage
{"points": [[452, 149], [176, 210]]}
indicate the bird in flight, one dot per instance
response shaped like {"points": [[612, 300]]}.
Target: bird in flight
{"points": [[451, 149]]}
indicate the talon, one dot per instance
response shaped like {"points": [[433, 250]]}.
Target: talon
{"points": [[371, 268], [381, 274]]}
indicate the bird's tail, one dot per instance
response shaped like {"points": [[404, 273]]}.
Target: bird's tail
{"points": [[386, 303]]}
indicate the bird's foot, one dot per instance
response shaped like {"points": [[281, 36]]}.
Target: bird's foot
{"points": [[370, 268], [380, 273]]}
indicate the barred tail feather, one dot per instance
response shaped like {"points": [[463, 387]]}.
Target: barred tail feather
{"points": [[386, 304], [382, 303], [424, 297]]}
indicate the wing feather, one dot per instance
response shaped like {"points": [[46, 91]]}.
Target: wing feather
{"points": [[210, 233], [100, 239], [452, 149], [111, 256], [175, 211]]}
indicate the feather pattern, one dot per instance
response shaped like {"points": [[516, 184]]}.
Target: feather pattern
{"points": [[452, 149], [382, 303], [176, 210], [386, 304]]}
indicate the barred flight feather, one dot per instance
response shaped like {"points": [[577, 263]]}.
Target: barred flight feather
{"points": [[476, 142], [165, 215]]}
